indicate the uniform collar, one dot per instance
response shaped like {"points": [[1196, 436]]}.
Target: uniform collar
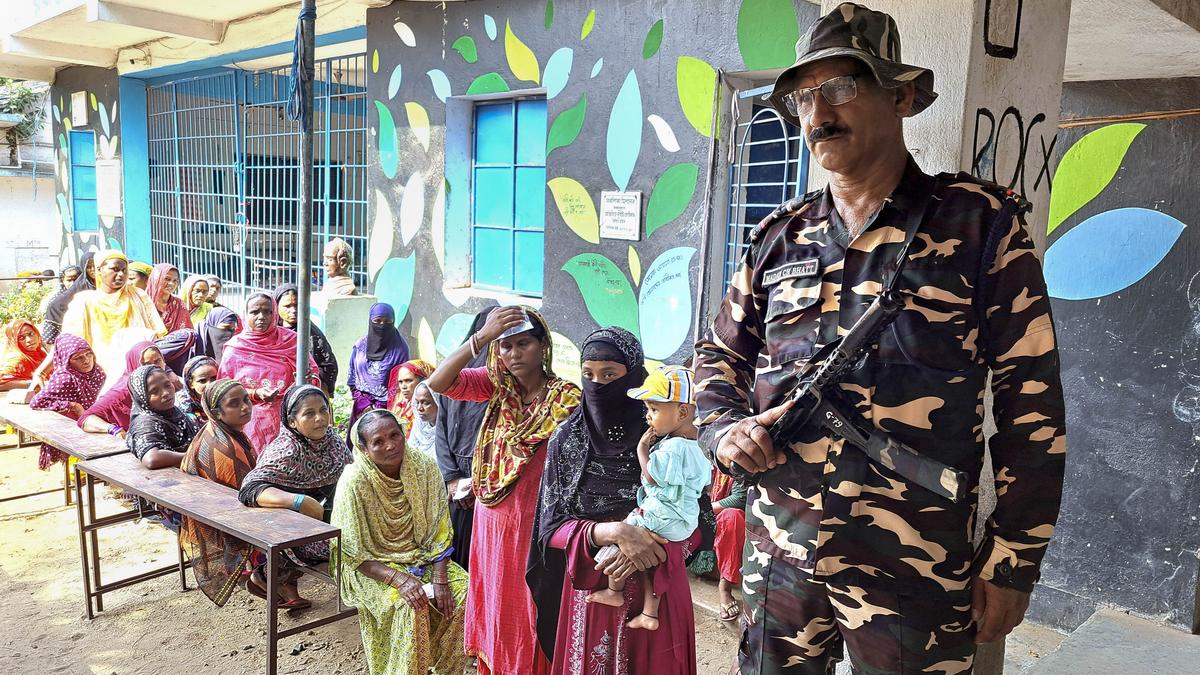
{"points": [[913, 184]]}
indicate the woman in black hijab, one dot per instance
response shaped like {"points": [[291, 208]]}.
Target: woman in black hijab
{"points": [[57, 308], [322, 352]]}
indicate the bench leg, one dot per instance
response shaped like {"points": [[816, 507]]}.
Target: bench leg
{"points": [[83, 547], [95, 541], [182, 574], [272, 616], [67, 482]]}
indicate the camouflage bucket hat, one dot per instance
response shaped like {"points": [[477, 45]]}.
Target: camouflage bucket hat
{"points": [[857, 32]]}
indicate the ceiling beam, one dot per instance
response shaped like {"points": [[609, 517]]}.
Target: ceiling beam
{"points": [[208, 30], [35, 73], [1184, 10], [60, 51]]}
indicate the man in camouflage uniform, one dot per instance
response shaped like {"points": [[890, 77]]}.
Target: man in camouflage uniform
{"points": [[841, 549]]}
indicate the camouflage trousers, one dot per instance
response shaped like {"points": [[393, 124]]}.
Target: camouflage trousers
{"points": [[793, 624]]}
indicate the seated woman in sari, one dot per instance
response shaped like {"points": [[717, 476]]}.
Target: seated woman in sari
{"points": [[263, 359], [159, 433], [299, 470], [322, 352], [401, 386], [590, 485], [115, 306], [372, 360], [220, 453], [23, 353], [164, 281], [56, 309], [395, 549], [198, 373], [110, 413], [72, 388], [195, 298]]}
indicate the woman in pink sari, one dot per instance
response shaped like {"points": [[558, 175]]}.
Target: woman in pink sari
{"points": [[164, 281], [263, 359]]}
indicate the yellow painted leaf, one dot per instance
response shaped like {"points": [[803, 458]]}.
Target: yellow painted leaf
{"points": [[426, 343], [95, 103], [576, 207], [566, 358], [375, 61], [418, 119], [521, 60], [588, 23], [635, 266]]}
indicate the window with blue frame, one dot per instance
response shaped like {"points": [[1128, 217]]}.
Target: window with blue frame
{"points": [[508, 195], [83, 180]]}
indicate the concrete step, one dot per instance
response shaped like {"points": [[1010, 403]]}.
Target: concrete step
{"points": [[1114, 642]]}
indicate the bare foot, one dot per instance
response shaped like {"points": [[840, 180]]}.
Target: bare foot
{"points": [[644, 621], [607, 597]]}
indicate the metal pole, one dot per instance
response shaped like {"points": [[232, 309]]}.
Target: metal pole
{"points": [[304, 236]]}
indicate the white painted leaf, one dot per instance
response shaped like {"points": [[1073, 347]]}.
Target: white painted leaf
{"points": [[405, 33], [382, 235], [666, 137], [437, 230], [412, 208], [426, 344]]}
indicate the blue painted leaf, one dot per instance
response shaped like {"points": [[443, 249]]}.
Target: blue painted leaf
{"points": [[394, 285], [389, 158], [57, 113], [1109, 252], [597, 66], [453, 332], [625, 132], [489, 25], [665, 305], [114, 244], [64, 211], [103, 114], [441, 84], [394, 82], [558, 71]]}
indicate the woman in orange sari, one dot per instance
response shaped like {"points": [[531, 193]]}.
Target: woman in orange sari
{"points": [[404, 380], [23, 351]]}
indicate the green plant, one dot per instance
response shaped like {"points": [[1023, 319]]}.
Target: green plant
{"points": [[18, 98], [343, 404], [23, 302]]}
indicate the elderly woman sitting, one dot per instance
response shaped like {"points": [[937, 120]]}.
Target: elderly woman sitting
{"points": [[392, 509]]}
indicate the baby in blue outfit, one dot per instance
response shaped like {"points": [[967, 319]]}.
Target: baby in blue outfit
{"points": [[674, 474]]}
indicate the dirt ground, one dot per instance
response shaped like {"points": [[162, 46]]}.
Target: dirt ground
{"points": [[154, 627]]}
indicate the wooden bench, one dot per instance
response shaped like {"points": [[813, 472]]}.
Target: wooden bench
{"points": [[62, 433]]}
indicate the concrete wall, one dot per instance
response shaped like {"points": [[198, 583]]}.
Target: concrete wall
{"points": [[29, 236], [100, 84], [649, 103], [1122, 265]]}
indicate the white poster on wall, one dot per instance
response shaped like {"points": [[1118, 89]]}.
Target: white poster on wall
{"points": [[79, 109], [108, 187], [621, 215]]}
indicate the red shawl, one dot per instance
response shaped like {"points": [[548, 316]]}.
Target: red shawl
{"points": [[174, 311], [17, 363]]}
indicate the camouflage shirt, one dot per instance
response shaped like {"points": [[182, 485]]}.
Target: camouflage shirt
{"points": [[832, 511]]}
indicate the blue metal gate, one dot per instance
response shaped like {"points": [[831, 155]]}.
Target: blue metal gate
{"points": [[224, 173]]}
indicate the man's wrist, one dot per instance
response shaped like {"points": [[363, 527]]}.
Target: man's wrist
{"points": [[999, 564]]}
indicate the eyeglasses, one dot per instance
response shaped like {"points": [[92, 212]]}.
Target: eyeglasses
{"points": [[836, 90]]}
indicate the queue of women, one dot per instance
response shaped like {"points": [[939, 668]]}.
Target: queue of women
{"points": [[489, 510]]}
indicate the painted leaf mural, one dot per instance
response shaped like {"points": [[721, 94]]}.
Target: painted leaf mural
{"points": [[394, 81], [566, 361], [102, 113], [64, 211], [412, 208], [488, 83], [672, 193], [566, 127], [767, 31], [1108, 252], [437, 228], [375, 61], [576, 207], [418, 120], [589, 22], [606, 292], [92, 99], [696, 85], [453, 332], [665, 304], [489, 26], [383, 234], [389, 158], [635, 266], [653, 40], [597, 66], [394, 285], [441, 84], [465, 46], [558, 71], [56, 112], [426, 345], [521, 61], [624, 140], [1087, 168], [406, 35], [549, 18], [666, 135]]}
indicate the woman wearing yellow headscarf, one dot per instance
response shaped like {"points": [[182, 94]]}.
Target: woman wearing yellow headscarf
{"points": [[393, 512], [99, 315]]}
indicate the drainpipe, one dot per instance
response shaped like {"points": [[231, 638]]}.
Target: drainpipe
{"points": [[304, 61], [702, 272]]}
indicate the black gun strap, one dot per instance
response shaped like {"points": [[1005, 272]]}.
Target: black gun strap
{"points": [[912, 224]]}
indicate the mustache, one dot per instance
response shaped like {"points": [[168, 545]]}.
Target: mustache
{"points": [[825, 132]]}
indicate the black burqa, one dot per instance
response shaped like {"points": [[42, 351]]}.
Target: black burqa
{"points": [[592, 471], [57, 307], [322, 351]]}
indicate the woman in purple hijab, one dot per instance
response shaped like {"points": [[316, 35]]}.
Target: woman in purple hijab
{"points": [[372, 360]]}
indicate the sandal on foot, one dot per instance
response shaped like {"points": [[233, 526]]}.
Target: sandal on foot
{"points": [[730, 611], [255, 586]]}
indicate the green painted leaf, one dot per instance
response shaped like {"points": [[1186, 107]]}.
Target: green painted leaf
{"points": [[696, 84], [465, 46], [672, 193], [576, 207], [767, 31], [566, 127], [521, 60], [653, 40], [606, 292], [488, 83], [589, 23], [1087, 168], [549, 14], [389, 158]]}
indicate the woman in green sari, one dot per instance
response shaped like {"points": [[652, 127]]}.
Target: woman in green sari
{"points": [[392, 508]]}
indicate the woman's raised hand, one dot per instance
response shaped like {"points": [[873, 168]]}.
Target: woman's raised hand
{"points": [[499, 321]]}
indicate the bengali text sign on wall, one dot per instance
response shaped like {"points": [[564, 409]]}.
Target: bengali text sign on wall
{"points": [[621, 215]]}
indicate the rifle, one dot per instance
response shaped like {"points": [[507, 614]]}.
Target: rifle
{"points": [[813, 404]]}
